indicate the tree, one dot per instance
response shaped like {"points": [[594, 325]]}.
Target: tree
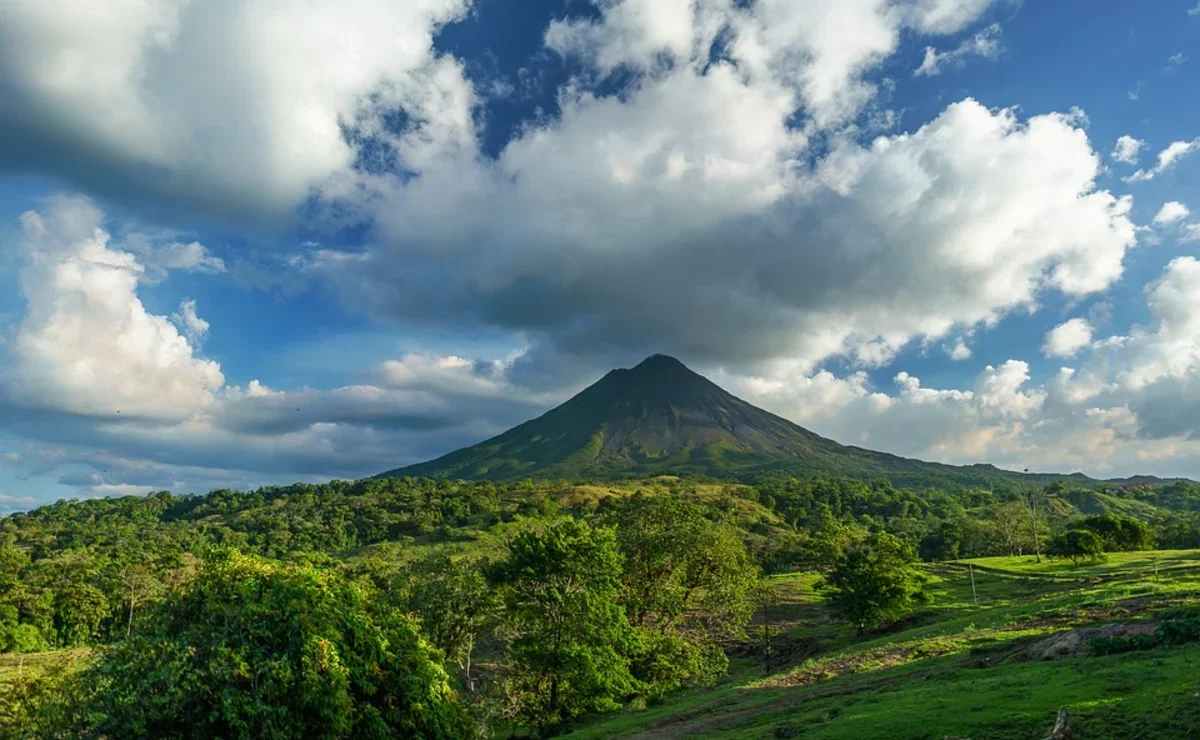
{"points": [[874, 581], [1076, 544], [1035, 501], [567, 634], [1007, 517], [687, 583], [254, 649], [943, 543], [1119, 533], [678, 561], [454, 603]]}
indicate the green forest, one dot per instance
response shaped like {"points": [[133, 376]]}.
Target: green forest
{"points": [[405, 607]]}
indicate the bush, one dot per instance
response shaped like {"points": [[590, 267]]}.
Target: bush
{"points": [[874, 581], [255, 649], [1077, 545]]}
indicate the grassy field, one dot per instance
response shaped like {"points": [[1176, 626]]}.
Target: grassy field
{"points": [[11, 664], [959, 670]]}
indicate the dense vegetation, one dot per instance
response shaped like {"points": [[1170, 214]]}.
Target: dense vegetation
{"points": [[415, 606]]}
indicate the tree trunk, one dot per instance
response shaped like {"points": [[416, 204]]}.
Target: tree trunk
{"points": [[767, 638]]}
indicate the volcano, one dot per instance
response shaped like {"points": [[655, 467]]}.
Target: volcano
{"points": [[660, 418]]}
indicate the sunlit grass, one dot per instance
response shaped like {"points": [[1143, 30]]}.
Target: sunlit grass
{"points": [[957, 669]]}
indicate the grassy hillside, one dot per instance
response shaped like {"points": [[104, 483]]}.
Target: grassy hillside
{"points": [[957, 670]]}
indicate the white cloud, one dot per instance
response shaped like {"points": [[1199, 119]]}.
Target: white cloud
{"points": [[1167, 159], [193, 257], [16, 503], [1176, 59], [621, 223], [817, 51], [985, 44], [230, 107], [123, 402], [193, 327], [1067, 338], [960, 351], [87, 345], [1171, 212], [1194, 11], [1127, 150], [1169, 347]]}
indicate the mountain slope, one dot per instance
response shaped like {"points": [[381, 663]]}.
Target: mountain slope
{"points": [[660, 417]]}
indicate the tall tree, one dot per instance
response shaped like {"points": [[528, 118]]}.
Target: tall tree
{"points": [[454, 604], [688, 583], [567, 634]]}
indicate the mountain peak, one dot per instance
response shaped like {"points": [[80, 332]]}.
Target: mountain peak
{"points": [[661, 361], [661, 417], [658, 415]]}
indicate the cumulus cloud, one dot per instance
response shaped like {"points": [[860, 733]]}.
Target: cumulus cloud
{"points": [[1171, 212], [87, 345], [1167, 159], [1127, 150], [126, 403], [985, 44], [625, 224], [234, 108], [1068, 338]]}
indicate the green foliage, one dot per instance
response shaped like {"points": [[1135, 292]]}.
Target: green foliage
{"points": [[1119, 533], [874, 582], [1077, 545], [687, 583], [253, 649], [567, 635], [943, 543], [679, 561], [454, 604], [41, 703]]}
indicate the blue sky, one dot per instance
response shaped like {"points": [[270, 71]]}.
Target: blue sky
{"points": [[248, 243]]}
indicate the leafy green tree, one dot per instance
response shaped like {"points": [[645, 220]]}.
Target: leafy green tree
{"points": [[943, 543], [1076, 545], [255, 649], [678, 561], [687, 583], [454, 603], [80, 608], [567, 634], [874, 581], [1119, 533]]}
